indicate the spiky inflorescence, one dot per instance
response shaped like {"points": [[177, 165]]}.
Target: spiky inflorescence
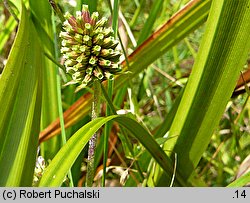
{"points": [[89, 48]]}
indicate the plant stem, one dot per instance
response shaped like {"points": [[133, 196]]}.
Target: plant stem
{"points": [[110, 86], [107, 130], [92, 141], [59, 98]]}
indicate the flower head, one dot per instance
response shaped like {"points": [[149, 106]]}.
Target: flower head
{"points": [[89, 48]]}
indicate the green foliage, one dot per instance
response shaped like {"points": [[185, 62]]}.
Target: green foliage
{"points": [[208, 89], [56, 171], [20, 97], [41, 16], [242, 181], [179, 128]]}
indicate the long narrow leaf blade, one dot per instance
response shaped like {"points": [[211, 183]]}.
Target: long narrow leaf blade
{"points": [[222, 54], [20, 99], [148, 26], [173, 31], [181, 24], [5, 33], [41, 16], [60, 165], [242, 181]]}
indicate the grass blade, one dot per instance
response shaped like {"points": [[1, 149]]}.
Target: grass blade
{"points": [[5, 33], [58, 168], [194, 14], [41, 11], [20, 98], [148, 27], [211, 82], [175, 29], [108, 126], [242, 181]]}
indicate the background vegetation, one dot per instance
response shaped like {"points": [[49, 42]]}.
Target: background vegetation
{"points": [[178, 115]]}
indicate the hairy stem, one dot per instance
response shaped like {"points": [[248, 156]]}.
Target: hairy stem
{"points": [[92, 141]]}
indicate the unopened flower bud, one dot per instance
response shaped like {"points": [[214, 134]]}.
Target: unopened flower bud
{"points": [[89, 48]]}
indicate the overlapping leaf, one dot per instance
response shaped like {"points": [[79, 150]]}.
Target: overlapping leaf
{"points": [[20, 98], [223, 52], [175, 29], [60, 165]]}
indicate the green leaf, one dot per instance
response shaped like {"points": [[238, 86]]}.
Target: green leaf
{"points": [[241, 181], [173, 31], [41, 16], [177, 28], [5, 33], [221, 56], [148, 26], [92, 5], [60, 165], [20, 99]]}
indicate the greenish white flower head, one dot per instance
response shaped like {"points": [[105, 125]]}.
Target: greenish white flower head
{"points": [[89, 48]]}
